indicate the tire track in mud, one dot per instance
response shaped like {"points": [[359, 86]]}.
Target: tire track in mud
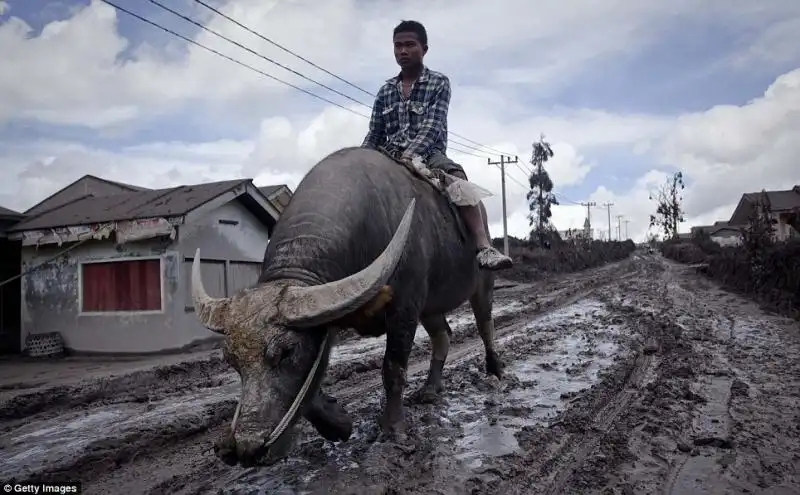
{"points": [[578, 447], [134, 453], [469, 349], [464, 349]]}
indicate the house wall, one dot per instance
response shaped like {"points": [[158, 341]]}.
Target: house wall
{"points": [[51, 294], [783, 230], [727, 240]]}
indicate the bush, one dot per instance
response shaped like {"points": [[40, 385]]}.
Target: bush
{"points": [[533, 263], [772, 278], [683, 251]]}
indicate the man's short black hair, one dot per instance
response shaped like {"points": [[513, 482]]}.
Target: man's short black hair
{"points": [[413, 27]]}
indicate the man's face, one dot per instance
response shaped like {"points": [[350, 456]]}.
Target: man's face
{"points": [[408, 51]]}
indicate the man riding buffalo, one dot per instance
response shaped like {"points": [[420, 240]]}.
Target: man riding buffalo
{"points": [[364, 244], [409, 119]]}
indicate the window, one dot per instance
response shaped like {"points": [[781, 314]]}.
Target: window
{"points": [[243, 274], [212, 272], [220, 278], [129, 285]]}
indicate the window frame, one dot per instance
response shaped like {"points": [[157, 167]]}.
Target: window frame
{"points": [[162, 299]]}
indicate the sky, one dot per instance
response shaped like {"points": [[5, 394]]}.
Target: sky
{"points": [[626, 91]]}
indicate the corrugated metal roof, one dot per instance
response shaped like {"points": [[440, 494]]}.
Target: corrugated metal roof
{"points": [[175, 201], [5, 212], [778, 200], [268, 190]]}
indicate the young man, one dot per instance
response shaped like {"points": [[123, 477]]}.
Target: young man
{"points": [[409, 119]]}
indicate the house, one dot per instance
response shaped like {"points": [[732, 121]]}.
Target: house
{"points": [[107, 265], [10, 262], [727, 236], [721, 232], [784, 208]]}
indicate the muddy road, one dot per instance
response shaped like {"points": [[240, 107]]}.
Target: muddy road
{"points": [[636, 377]]}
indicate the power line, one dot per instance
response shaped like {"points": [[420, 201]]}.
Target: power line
{"points": [[250, 50], [278, 45], [247, 66], [294, 54]]}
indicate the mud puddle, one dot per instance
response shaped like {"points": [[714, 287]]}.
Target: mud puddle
{"points": [[354, 350], [59, 442], [549, 361]]}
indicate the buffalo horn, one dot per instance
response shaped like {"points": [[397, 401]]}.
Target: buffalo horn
{"points": [[209, 310], [320, 304]]}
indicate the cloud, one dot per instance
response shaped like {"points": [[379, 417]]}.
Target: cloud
{"points": [[723, 152], [752, 146], [136, 105], [101, 78]]}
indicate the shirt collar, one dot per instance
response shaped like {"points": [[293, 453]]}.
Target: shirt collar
{"points": [[423, 76]]}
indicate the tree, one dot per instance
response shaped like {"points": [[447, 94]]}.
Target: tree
{"points": [[758, 236], [669, 213], [540, 197]]}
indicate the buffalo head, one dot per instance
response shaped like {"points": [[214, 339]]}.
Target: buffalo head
{"points": [[278, 338]]}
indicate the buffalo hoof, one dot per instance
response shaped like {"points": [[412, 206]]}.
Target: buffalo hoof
{"points": [[393, 432], [330, 419], [427, 394], [494, 365]]}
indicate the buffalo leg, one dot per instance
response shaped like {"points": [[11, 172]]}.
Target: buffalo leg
{"points": [[329, 418], [399, 340], [439, 332], [481, 302]]}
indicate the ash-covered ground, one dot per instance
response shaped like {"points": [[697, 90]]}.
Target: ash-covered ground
{"points": [[636, 377]]}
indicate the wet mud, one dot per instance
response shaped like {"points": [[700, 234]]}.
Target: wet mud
{"points": [[635, 377]]}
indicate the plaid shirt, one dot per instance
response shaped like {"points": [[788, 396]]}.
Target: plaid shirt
{"points": [[416, 126]]}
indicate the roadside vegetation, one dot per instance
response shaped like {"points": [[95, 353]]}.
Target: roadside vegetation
{"points": [[544, 252], [760, 267]]}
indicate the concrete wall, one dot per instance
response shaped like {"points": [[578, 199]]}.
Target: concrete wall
{"points": [[783, 231], [727, 240], [50, 294]]}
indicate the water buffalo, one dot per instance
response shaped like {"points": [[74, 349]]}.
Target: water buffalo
{"points": [[363, 244]]}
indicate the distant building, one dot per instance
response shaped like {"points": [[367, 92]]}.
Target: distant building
{"points": [[107, 264], [721, 232], [785, 211]]}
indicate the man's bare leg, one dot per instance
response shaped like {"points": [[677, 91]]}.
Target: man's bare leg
{"points": [[474, 220], [488, 257]]}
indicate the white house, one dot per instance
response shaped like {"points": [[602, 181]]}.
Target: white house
{"points": [[107, 265]]}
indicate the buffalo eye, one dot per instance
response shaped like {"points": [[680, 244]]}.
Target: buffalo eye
{"points": [[275, 359]]}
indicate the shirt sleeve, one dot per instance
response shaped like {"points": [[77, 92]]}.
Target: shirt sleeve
{"points": [[433, 123], [377, 128]]}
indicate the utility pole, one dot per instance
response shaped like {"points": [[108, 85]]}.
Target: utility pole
{"points": [[608, 207], [503, 162], [626, 229], [619, 227], [588, 206]]}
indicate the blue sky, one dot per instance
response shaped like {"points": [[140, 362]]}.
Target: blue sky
{"points": [[649, 72]]}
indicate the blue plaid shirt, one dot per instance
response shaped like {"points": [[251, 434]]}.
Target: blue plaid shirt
{"points": [[416, 126]]}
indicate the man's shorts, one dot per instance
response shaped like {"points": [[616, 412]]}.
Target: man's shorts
{"points": [[442, 162]]}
